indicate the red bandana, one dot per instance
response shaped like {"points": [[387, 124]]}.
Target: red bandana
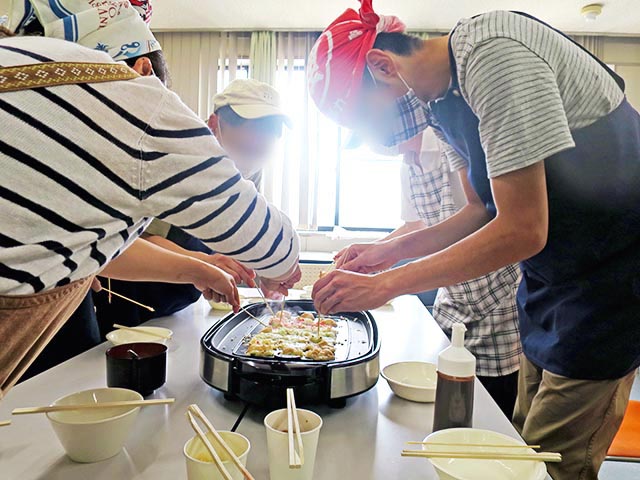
{"points": [[337, 61]]}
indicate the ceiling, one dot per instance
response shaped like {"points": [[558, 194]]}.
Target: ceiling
{"points": [[619, 17]]}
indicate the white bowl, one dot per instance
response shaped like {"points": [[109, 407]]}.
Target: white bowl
{"points": [[198, 469], [415, 381], [473, 469], [118, 337], [93, 435]]}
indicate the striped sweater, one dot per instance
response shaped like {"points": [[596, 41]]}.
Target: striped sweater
{"points": [[84, 169]]}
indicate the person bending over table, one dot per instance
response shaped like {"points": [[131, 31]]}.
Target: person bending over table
{"points": [[551, 148], [87, 165], [247, 122]]}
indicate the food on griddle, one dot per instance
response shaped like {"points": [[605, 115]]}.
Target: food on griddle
{"points": [[296, 336]]}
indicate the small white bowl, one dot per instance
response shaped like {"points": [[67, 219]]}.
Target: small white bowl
{"points": [[198, 469], [118, 337], [473, 469], [94, 435], [415, 381]]}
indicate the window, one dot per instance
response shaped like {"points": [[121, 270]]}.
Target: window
{"points": [[356, 189]]}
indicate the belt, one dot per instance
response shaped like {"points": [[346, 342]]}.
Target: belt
{"points": [[51, 74]]}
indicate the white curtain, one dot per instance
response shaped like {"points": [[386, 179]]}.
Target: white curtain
{"points": [[262, 57], [593, 43], [203, 63], [291, 178]]}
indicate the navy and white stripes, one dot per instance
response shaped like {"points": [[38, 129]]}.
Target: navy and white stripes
{"points": [[83, 169]]}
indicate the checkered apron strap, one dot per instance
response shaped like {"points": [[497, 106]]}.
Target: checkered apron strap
{"points": [[25, 77]]}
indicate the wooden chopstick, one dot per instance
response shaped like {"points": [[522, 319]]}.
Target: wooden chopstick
{"points": [[92, 406], [111, 292], [197, 412], [140, 330], [212, 451], [266, 303], [538, 457], [5, 423], [296, 458], [446, 444], [253, 316]]}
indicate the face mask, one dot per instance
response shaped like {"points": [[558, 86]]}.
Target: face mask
{"points": [[407, 117]]}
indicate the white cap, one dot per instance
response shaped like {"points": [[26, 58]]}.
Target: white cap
{"points": [[251, 99], [455, 360]]}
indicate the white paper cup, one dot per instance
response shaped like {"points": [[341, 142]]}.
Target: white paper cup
{"points": [[195, 451], [278, 444]]}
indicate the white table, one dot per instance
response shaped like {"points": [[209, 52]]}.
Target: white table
{"points": [[360, 442]]}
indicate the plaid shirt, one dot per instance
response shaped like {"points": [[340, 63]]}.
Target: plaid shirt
{"points": [[486, 305]]}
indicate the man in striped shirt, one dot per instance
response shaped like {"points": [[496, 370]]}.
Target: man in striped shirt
{"points": [[85, 169], [543, 133]]}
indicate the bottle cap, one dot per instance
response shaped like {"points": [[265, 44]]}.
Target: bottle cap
{"points": [[456, 360]]}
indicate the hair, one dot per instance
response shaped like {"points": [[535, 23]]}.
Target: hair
{"points": [[271, 124], [398, 43], [394, 42]]}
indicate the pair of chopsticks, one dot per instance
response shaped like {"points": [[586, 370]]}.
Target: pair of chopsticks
{"points": [[551, 457], [193, 413], [296, 457], [140, 330], [244, 309], [111, 292], [92, 406]]}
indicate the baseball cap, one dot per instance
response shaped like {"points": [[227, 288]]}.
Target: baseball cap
{"points": [[251, 99]]}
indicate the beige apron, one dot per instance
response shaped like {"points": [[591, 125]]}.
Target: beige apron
{"points": [[28, 322]]}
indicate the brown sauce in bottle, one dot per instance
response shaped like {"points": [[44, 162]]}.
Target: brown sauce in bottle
{"points": [[454, 402]]}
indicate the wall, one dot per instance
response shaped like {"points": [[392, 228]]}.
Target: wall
{"points": [[624, 53]]}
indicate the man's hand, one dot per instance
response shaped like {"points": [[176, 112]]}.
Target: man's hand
{"points": [[239, 272], [273, 288], [367, 257], [214, 284], [341, 291]]}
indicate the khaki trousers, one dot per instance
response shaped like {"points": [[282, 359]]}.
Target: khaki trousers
{"points": [[577, 418], [27, 324]]}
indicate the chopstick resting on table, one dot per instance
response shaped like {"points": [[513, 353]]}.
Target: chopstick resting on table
{"points": [[141, 330], [499, 445], [296, 457], [92, 406], [194, 412], [5, 423], [111, 292], [551, 457]]}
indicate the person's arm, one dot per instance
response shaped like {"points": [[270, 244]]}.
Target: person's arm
{"points": [[229, 265], [195, 187], [367, 258], [144, 261], [518, 232], [407, 227]]}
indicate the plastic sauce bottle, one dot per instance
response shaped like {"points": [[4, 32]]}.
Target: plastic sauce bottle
{"points": [[454, 391]]}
